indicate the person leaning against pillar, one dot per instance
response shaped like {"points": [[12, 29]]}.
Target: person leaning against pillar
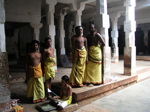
{"points": [[79, 56], [93, 72]]}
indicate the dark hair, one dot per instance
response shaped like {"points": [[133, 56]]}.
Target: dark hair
{"points": [[77, 27], [65, 78], [35, 41], [47, 38]]}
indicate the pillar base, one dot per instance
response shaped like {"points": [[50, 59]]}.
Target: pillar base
{"points": [[4, 83], [130, 61], [115, 59], [106, 64], [115, 56], [63, 51]]}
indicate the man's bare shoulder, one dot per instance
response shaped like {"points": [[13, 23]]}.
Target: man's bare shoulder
{"points": [[98, 34], [69, 87]]}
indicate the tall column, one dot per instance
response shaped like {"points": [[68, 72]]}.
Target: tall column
{"points": [[114, 34], [4, 71], [50, 22], [129, 28], [145, 29], [16, 33], [78, 14], [70, 32], [102, 24], [62, 31], [36, 27]]}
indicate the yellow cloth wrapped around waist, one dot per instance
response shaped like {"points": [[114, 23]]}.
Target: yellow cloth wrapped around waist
{"points": [[95, 54], [49, 61], [35, 71], [69, 99], [49, 69], [80, 53]]}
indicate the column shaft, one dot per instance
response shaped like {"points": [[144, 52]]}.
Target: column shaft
{"points": [[102, 25], [114, 34], [4, 70], [62, 32], [129, 28]]}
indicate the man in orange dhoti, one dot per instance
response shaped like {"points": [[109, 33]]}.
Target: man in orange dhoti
{"points": [[35, 84]]}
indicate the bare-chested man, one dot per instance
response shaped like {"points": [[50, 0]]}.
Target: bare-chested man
{"points": [[49, 63], [93, 74], [35, 84], [79, 51]]}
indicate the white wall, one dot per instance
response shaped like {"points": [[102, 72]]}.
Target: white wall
{"points": [[23, 10]]}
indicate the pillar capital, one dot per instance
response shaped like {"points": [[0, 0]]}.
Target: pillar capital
{"points": [[63, 11], [78, 13], [51, 2], [128, 3], [114, 16], [2, 12], [36, 25], [78, 6]]}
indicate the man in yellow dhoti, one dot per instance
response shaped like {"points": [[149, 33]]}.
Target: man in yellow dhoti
{"points": [[65, 97], [35, 84], [79, 45], [93, 73], [49, 63]]}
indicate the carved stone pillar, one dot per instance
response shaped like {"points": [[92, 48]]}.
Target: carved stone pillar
{"points": [[62, 32], [114, 34], [129, 28], [36, 27], [102, 25], [4, 72]]}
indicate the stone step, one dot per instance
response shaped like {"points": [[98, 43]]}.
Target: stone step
{"points": [[86, 92]]}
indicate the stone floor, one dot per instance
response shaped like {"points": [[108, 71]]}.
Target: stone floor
{"points": [[135, 98], [18, 87]]}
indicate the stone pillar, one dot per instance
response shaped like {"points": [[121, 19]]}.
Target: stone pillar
{"points": [[16, 32], [50, 23], [62, 31], [50, 20], [102, 24], [114, 34], [36, 27], [78, 14], [71, 32], [146, 30], [4, 72], [129, 28]]}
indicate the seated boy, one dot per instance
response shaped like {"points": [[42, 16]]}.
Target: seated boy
{"points": [[65, 97]]}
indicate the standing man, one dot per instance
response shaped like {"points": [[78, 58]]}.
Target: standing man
{"points": [[35, 84], [79, 54], [93, 74], [49, 63]]}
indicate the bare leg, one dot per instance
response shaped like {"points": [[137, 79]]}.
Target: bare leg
{"points": [[48, 85]]}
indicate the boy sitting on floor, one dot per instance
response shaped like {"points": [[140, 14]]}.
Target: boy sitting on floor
{"points": [[65, 97]]}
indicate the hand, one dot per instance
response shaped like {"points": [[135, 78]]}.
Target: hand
{"points": [[56, 97]]}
